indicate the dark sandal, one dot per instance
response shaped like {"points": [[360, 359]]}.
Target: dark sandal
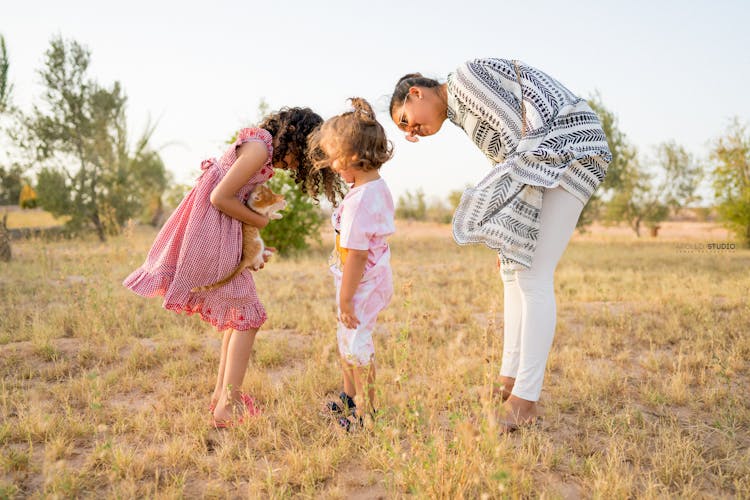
{"points": [[345, 405], [348, 423], [355, 420]]}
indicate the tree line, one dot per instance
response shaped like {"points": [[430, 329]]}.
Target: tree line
{"points": [[75, 143], [75, 157], [643, 191]]}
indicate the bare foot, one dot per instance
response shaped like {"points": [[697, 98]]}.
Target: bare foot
{"points": [[228, 410], [225, 413], [516, 412], [505, 387]]}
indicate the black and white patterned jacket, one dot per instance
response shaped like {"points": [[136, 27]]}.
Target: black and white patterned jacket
{"points": [[538, 135]]}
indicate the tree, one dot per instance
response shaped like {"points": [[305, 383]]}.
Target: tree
{"points": [[5, 86], [454, 198], [648, 197], [731, 179], [79, 135], [28, 197], [175, 193], [143, 168], [11, 183], [301, 219], [5, 249], [635, 203], [681, 175], [620, 171], [11, 179], [412, 205], [52, 189], [438, 210]]}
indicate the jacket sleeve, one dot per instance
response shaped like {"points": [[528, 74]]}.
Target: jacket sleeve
{"points": [[491, 90]]}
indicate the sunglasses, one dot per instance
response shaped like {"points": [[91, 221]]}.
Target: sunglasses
{"points": [[401, 121]]}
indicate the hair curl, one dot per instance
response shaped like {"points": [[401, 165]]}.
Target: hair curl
{"points": [[290, 129], [405, 83], [354, 136]]}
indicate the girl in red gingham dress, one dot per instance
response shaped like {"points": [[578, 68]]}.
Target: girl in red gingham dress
{"points": [[202, 241]]}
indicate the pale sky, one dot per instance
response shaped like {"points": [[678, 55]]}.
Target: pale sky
{"points": [[670, 70]]}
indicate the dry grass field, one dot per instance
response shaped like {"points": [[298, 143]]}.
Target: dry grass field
{"points": [[647, 391], [36, 217]]}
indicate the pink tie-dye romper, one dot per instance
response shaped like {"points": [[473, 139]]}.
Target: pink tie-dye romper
{"points": [[362, 222]]}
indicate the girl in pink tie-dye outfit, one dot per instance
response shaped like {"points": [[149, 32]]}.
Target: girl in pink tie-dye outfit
{"points": [[355, 146]]}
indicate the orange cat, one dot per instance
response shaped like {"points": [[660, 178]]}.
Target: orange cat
{"points": [[265, 202]]}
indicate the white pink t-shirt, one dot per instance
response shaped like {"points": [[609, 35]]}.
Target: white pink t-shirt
{"points": [[363, 221]]}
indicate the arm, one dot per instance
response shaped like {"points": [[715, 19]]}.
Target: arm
{"points": [[498, 96], [353, 271], [251, 156]]}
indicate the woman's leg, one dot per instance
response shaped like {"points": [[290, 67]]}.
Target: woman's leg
{"points": [[511, 332], [239, 349], [560, 212], [222, 364]]}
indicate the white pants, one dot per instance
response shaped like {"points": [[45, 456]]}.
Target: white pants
{"points": [[529, 309]]}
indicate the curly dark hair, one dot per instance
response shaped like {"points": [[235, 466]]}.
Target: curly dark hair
{"points": [[290, 128]]}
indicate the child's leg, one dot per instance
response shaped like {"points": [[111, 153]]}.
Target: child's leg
{"points": [[344, 404], [239, 349], [357, 357], [222, 364], [364, 380], [349, 387], [356, 346]]}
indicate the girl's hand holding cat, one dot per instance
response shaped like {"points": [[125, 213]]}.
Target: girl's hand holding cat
{"points": [[348, 317], [267, 254]]}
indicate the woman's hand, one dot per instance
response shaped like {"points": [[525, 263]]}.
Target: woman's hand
{"points": [[348, 317]]}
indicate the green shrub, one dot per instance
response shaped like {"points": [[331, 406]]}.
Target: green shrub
{"points": [[302, 218]]}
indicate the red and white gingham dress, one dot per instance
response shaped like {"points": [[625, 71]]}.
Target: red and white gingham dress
{"points": [[199, 245]]}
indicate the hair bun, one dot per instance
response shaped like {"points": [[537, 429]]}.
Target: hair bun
{"points": [[408, 76], [362, 107]]}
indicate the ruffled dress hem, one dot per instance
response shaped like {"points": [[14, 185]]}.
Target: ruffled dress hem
{"points": [[212, 308]]}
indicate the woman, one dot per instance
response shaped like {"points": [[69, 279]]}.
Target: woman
{"points": [[549, 154]]}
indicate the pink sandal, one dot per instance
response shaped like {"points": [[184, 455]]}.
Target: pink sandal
{"points": [[250, 410], [249, 403]]}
